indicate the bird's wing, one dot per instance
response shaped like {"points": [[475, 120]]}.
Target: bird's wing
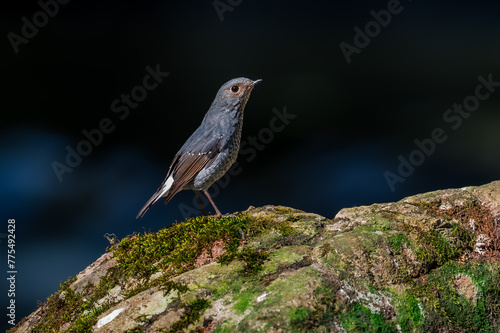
{"points": [[199, 151]]}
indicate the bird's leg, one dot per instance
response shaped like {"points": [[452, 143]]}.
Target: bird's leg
{"points": [[200, 202], [213, 204]]}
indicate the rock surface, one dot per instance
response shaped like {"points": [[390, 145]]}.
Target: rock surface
{"points": [[428, 263]]}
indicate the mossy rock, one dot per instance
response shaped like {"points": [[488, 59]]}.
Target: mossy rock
{"points": [[428, 263]]}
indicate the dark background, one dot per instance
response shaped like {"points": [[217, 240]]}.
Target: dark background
{"points": [[352, 120]]}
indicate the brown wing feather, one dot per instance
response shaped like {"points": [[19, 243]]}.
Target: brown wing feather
{"points": [[198, 152], [185, 167], [185, 171]]}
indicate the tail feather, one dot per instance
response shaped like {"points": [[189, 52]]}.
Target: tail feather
{"points": [[163, 190]]}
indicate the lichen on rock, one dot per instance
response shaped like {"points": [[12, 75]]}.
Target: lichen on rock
{"points": [[430, 262]]}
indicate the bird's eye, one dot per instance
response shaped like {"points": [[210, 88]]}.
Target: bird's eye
{"points": [[235, 89]]}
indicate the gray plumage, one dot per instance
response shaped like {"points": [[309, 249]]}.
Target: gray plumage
{"points": [[211, 149]]}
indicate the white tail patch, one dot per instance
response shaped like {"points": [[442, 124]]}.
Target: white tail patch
{"points": [[161, 192], [166, 186]]}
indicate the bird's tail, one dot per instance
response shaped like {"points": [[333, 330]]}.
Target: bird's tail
{"points": [[162, 191]]}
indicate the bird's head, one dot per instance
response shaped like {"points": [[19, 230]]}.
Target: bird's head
{"points": [[235, 92]]}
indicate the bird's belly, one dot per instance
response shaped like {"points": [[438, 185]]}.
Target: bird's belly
{"points": [[209, 175]]}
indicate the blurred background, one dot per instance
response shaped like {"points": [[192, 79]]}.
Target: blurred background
{"points": [[352, 116]]}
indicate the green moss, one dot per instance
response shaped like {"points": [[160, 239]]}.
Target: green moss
{"points": [[137, 290], [286, 229], [381, 221], [66, 305], [342, 260], [300, 314], [285, 258], [353, 253], [192, 313], [306, 320], [257, 226], [429, 206], [489, 283], [409, 315], [299, 318], [285, 210], [85, 322], [271, 222], [244, 291], [434, 249], [464, 238], [169, 285], [292, 219], [174, 250], [358, 318], [396, 242], [225, 327], [287, 289], [271, 231], [445, 306], [282, 293], [325, 249], [369, 239], [252, 258], [243, 301], [470, 211]]}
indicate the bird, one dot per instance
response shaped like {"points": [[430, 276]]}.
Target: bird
{"points": [[211, 150]]}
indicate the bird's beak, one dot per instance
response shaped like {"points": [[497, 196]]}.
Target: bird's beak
{"points": [[255, 82]]}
